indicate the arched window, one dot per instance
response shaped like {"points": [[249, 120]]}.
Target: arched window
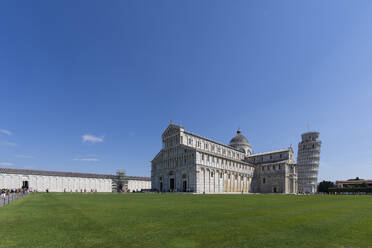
{"points": [[264, 180]]}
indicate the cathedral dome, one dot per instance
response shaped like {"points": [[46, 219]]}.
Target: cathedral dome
{"points": [[240, 142], [239, 139]]}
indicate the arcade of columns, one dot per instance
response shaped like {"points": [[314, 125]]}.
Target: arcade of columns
{"points": [[222, 181]]}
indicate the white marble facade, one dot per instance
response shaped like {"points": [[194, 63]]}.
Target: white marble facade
{"points": [[191, 163], [67, 181], [137, 185], [55, 183]]}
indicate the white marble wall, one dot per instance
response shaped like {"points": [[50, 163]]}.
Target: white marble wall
{"points": [[137, 185], [211, 181], [55, 183]]}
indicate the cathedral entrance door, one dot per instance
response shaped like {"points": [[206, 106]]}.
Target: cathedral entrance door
{"points": [[25, 185], [171, 184], [184, 186], [161, 186]]}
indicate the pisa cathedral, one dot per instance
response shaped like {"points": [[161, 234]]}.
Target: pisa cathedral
{"points": [[188, 162]]}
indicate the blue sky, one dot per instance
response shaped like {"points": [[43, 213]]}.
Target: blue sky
{"points": [[89, 86]]}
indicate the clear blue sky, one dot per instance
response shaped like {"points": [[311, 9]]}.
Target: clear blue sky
{"points": [[120, 70]]}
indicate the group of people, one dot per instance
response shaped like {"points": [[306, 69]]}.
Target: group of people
{"points": [[7, 192], [76, 191]]}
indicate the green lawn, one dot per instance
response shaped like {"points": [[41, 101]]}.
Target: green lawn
{"points": [[175, 220]]}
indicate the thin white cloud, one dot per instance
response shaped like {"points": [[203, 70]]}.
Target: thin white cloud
{"points": [[6, 164], [6, 143], [87, 159], [89, 138], [7, 132]]}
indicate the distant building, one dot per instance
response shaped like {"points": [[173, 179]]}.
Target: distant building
{"points": [[55, 181], [352, 186], [191, 163], [354, 183]]}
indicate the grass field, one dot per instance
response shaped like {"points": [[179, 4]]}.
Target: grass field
{"points": [[175, 220]]}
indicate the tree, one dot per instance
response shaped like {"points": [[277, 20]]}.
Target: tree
{"points": [[120, 180], [324, 186]]}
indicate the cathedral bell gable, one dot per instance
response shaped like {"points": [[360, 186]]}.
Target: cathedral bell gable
{"points": [[171, 130]]}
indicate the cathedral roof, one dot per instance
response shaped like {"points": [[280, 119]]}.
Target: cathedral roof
{"points": [[270, 152], [215, 142], [66, 174], [53, 173]]}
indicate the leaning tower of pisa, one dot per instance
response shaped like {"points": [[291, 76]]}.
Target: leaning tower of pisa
{"points": [[308, 162]]}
